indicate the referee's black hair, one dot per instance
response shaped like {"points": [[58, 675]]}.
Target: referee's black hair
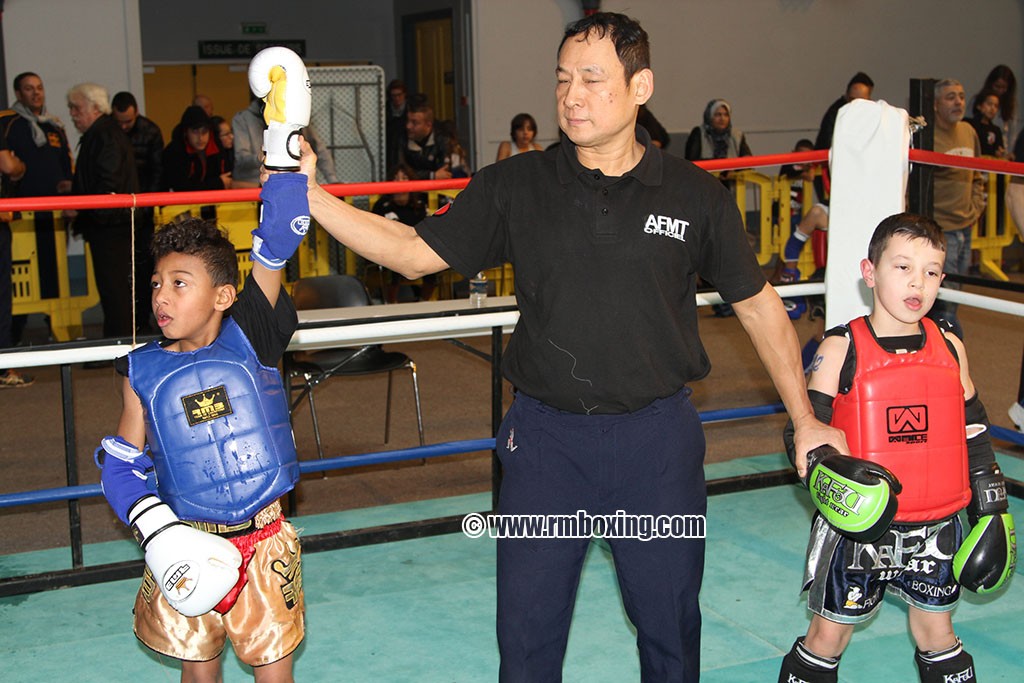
{"points": [[630, 39]]}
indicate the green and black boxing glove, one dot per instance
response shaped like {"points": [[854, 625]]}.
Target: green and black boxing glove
{"points": [[856, 497], [987, 557]]}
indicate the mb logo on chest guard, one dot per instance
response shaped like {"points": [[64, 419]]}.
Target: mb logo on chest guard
{"points": [[666, 227], [206, 405], [907, 424]]}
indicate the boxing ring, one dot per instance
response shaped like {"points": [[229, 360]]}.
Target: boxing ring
{"points": [[398, 323], [326, 328]]}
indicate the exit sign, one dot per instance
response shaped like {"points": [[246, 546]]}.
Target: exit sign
{"points": [[254, 28]]}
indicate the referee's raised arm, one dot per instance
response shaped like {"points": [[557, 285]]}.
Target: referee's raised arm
{"points": [[390, 243]]}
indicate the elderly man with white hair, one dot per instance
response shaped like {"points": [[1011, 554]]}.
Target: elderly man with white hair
{"points": [[105, 164]]}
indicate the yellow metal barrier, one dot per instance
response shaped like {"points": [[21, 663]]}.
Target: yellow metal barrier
{"points": [[783, 228], [763, 230], [65, 311], [991, 235], [314, 254]]}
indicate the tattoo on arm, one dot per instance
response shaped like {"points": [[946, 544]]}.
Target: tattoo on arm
{"points": [[816, 363]]}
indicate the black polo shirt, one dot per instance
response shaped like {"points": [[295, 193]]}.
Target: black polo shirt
{"points": [[605, 267]]}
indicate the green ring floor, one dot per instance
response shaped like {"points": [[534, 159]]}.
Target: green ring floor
{"points": [[423, 610]]}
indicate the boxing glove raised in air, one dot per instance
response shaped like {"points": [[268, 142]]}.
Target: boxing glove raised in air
{"points": [[278, 76], [193, 569]]}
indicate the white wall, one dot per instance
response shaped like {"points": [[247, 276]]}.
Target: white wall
{"points": [[68, 42], [780, 64]]}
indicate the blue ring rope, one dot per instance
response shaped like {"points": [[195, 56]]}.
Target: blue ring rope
{"points": [[417, 453]]}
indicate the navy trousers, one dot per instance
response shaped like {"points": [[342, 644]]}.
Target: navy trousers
{"points": [[649, 462]]}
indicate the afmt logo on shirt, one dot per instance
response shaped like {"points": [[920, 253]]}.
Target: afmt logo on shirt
{"points": [[206, 405], [907, 424], [666, 227], [443, 210]]}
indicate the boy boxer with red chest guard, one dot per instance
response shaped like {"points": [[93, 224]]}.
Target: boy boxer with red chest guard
{"points": [[900, 388]]}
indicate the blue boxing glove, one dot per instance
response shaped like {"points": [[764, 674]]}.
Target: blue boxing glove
{"points": [[284, 219], [126, 474]]}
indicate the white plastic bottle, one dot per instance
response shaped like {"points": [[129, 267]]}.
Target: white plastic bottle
{"points": [[478, 290]]}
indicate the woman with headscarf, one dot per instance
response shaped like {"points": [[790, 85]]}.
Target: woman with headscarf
{"points": [[716, 138]]}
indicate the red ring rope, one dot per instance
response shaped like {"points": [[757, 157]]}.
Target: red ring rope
{"points": [[127, 201]]}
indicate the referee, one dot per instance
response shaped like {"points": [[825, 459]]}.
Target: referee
{"points": [[607, 236]]}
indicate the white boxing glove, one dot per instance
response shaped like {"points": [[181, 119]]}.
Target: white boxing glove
{"points": [[278, 76], [194, 569]]}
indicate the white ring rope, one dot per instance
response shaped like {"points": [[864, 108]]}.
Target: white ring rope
{"points": [[134, 322], [395, 324]]}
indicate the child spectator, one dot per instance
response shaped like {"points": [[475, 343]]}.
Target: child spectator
{"points": [[986, 108], [523, 133], [205, 409], [897, 384]]}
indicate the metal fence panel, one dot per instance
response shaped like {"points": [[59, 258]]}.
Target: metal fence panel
{"points": [[348, 118]]}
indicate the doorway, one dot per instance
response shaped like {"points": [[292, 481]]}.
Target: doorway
{"points": [[436, 57]]}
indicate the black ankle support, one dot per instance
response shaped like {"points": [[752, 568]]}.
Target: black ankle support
{"points": [[803, 666], [952, 665]]}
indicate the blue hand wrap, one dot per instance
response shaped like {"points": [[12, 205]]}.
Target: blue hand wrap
{"points": [[125, 478], [794, 245], [284, 219]]}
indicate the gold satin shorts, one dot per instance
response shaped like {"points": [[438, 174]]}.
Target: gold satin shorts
{"points": [[266, 623]]}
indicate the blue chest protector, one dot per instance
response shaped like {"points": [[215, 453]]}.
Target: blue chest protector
{"points": [[217, 424]]}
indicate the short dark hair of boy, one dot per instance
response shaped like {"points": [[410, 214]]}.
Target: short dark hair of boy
{"points": [[201, 238], [909, 225]]}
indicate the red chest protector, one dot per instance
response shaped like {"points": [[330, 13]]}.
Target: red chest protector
{"points": [[906, 412]]}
